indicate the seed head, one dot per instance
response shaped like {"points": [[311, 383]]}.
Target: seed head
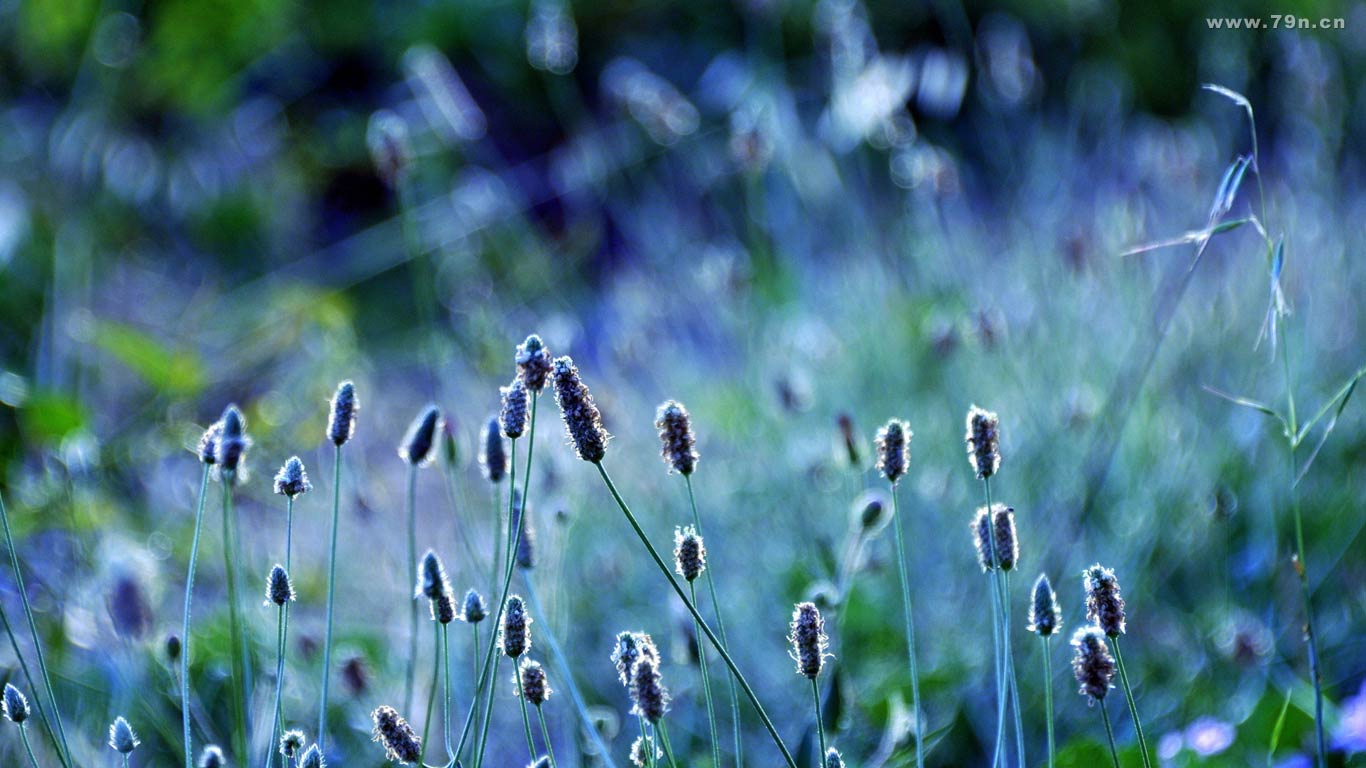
{"points": [[515, 635], [341, 422], [650, 699], [534, 682], [493, 457], [121, 736], [513, 417], [809, 642], [421, 437], [443, 608], [208, 443], [1044, 615], [15, 705], [292, 479], [292, 743], [1104, 606], [833, 759], [432, 582], [173, 646], [1092, 663], [675, 433], [690, 554], [893, 449], [629, 648], [533, 363], [582, 419], [640, 752], [984, 441], [1001, 523], [474, 607], [233, 443], [279, 589], [400, 743], [212, 757], [540, 762], [870, 513], [313, 758]]}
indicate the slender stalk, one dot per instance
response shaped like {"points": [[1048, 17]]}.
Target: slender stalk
{"points": [[185, 630], [904, 576], [711, 636], [23, 734], [668, 748], [65, 752], [545, 736], [474, 663], [28, 678], [498, 545], [126, 764], [289, 532], [446, 691], [526, 719], [820, 721], [239, 642], [279, 682], [721, 629], [413, 567], [996, 630], [647, 744], [431, 693], [331, 595], [1048, 697], [1129, 697], [1010, 670], [706, 687], [1110, 733], [562, 667]]}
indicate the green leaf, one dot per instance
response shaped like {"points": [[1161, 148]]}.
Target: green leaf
{"points": [[50, 416], [1342, 398], [1248, 403], [169, 371]]}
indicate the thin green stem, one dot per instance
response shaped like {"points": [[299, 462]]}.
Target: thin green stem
{"points": [[1048, 697], [65, 752], [997, 627], [904, 577], [1109, 733], [706, 630], [526, 718], [431, 692], [647, 744], [720, 629], [185, 629], [23, 734], [38, 700], [498, 545], [706, 687], [279, 682], [446, 690], [289, 532], [545, 736], [820, 721], [664, 740], [331, 595], [474, 663], [1133, 708], [413, 567], [230, 560], [1010, 669]]}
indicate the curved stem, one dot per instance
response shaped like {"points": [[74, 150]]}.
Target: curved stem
{"points": [[1011, 677], [23, 734], [526, 719], [185, 630], [331, 595], [706, 687], [413, 568], [1129, 697], [647, 744], [545, 736], [720, 629], [904, 577], [446, 690], [474, 675], [279, 683], [668, 748], [1109, 733], [238, 638], [711, 636], [1048, 697], [431, 692], [65, 752], [820, 720]]}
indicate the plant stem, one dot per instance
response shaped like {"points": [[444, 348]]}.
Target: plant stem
{"points": [[545, 736], [1129, 697], [711, 636], [996, 629], [668, 748], [65, 752], [239, 647], [185, 630], [23, 734], [706, 687], [289, 532], [413, 568], [904, 577], [279, 682], [38, 700], [647, 744], [1010, 669], [498, 545], [431, 693], [721, 629], [474, 662], [820, 721], [1110, 733], [526, 719], [1048, 697], [446, 690], [331, 595]]}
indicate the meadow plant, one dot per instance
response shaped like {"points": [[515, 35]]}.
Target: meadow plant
{"points": [[341, 427], [208, 457], [15, 708], [1105, 609], [809, 649], [416, 451], [1044, 619], [230, 451], [280, 593], [1094, 668], [534, 689]]}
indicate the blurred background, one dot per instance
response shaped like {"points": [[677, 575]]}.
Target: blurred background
{"points": [[798, 218]]}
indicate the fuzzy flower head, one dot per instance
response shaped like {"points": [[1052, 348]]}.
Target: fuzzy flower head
{"points": [[625, 653], [582, 419], [432, 582], [641, 749], [514, 637], [14, 705], [514, 414], [984, 441], [893, 449], [870, 513], [649, 697], [341, 419], [533, 363], [391, 730], [993, 534], [312, 758], [808, 638], [833, 759], [212, 757], [292, 743], [292, 479], [231, 450], [676, 436], [690, 554], [421, 438], [1044, 615], [1104, 606], [208, 443], [443, 608], [493, 457], [534, 682], [474, 611], [279, 589], [541, 762], [1092, 663]]}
